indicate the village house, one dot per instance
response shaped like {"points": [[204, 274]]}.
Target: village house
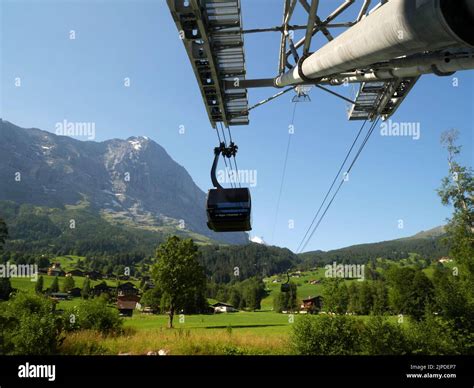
{"points": [[93, 275], [125, 307], [102, 288], [127, 288], [55, 270], [75, 272], [312, 304], [223, 308], [75, 292]]}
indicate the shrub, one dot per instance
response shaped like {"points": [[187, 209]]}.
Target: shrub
{"points": [[95, 314], [327, 335], [432, 336], [380, 337], [28, 326]]}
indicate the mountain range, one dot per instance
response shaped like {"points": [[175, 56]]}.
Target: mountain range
{"points": [[131, 182], [126, 196]]}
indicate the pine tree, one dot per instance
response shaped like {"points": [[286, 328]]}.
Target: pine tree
{"points": [[86, 288], [55, 286], [68, 284], [39, 285], [5, 288]]}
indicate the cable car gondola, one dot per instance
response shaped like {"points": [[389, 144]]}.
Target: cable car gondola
{"points": [[228, 210]]}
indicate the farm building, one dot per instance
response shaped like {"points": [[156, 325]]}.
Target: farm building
{"points": [[127, 288], [126, 304], [55, 270], [59, 295], [93, 275], [312, 304], [102, 288], [75, 272], [75, 292], [224, 308], [126, 307]]}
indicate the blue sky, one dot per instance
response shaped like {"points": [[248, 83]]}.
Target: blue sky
{"points": [[82, 80]]}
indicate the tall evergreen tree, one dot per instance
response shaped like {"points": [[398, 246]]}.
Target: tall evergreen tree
{"points": [[39, 285], [68, 284], [55, 285], [86, 288]]}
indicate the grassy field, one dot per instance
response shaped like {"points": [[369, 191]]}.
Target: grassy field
{"points": [[261, 332], [27, 284], [261, 323], [252, 333]]}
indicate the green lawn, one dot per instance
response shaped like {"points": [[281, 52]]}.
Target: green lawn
{"points": [[68, 262], [27, 284], [267, 323]]}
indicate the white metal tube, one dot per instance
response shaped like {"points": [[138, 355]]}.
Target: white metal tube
{"points": [[440, 66], [398, 28]]}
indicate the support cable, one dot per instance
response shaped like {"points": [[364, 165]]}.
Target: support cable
{"points": [[333, 183], [361, 147], [235, 160], [283, 173], [225, 145]]}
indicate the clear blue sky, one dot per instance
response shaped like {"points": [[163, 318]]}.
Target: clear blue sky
{"points": [[82, 80]]}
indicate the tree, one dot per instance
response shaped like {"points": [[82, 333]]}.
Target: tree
{"points": [[39, 285], [353, 304], [253, 291], [86, 288], [455, 292], [335, 295], [286, 301], [234, 297], [95, 314], [452, 302], [31, 328], [178, 274], [327, 335], [380, 301], [421, 295], [457, 189], [152, 298], [411, 291], [68, 284], [55, 285], [366, 298], [43, 262], [3, 233], [5, 288]]}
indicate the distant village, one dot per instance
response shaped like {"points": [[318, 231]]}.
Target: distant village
{"points": [[126, 296]]}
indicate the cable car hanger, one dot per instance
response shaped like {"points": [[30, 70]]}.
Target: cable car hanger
{"points": [[228, 210]]}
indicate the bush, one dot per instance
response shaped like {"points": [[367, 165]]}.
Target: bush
{"points": [[28, 326], [327, 335], [95, 314], [380, 337], [432, 336]]}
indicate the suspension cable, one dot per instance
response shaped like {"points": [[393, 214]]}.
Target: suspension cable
{"points": [[284, 172], [229, 173], [361, 147], [235, 160], [225, 161], [333, 183]]}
